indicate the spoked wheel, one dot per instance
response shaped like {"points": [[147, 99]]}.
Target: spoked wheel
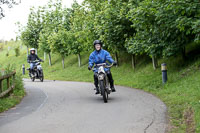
{"points": [[103, 92]]}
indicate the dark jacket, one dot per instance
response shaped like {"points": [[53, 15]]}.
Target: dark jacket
{"points": [[32, 57]]}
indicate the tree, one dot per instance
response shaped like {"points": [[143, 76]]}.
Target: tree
{"points": [[25, 38], [163, 28], [44, 45], [60, 43], [51, 16], [9, 3], [113, 27], [30, 34], [78, 31]]}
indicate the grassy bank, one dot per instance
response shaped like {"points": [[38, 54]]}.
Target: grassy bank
{"points": [[14, 98], [6, 66], [181, 94]]}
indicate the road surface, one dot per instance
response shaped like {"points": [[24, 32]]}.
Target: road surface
{"points": [[72, 107]]}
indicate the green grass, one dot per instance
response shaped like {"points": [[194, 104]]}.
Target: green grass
{"points": [[14, 98], [18, 93], [181, 94]]}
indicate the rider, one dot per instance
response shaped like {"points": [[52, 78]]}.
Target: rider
{"points": [[32, 57], [101, 56]]}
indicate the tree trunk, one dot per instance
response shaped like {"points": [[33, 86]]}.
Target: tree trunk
{"points": [[49, 54], [27, 51], [155, 62], [79, 60], [44, 56], [36, 51], [116, 59], [63, 62], [183, 53], [133, 61]]}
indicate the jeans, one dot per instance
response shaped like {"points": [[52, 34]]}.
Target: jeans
{"points": [[31, 67]]}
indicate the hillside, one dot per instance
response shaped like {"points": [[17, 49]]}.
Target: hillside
{"points": [[180, 94]]}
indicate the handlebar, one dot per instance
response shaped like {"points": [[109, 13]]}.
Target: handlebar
{"points": [[36, 61], [103, 64]]}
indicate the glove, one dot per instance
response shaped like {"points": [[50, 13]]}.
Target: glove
{"points": [[114, 63], [89, 68]]}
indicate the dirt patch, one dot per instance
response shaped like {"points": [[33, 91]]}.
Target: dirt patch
{"points": [[189, 120]]}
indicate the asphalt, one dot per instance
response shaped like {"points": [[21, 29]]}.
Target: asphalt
{"points": [[72, 107]]}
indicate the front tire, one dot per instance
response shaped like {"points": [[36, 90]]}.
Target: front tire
{"points": [[41, 76], [32, 79], [103, 91]]}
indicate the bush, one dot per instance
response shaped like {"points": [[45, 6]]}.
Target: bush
{"points": [[18, 92], [7, 54], [1, 47], [17, 51]]}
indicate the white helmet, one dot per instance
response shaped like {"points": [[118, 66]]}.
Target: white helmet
{"points": [[32, 49]]}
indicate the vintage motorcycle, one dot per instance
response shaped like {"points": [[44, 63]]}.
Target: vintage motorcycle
{"points": [[37, 71], [103, 80]]}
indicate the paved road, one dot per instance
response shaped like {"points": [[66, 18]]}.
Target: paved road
{"points": [[72, 107]]}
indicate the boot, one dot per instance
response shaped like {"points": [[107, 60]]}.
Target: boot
{"points": [[112, 88], [96, 84], [97, 90], [111, 81]]}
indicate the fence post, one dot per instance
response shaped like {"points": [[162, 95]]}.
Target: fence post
{"points": [[13, 79], [1, 86], [8, 83]]}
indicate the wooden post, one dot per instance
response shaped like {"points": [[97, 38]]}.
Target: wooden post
{"points": [[13, 80], [1, 86], [8, 83]]}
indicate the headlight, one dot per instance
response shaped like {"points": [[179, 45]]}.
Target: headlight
{"points": [[101, 77]]}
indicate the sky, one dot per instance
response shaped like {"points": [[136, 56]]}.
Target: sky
{"points": [[19, 13]]}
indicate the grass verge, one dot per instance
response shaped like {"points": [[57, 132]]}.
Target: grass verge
{"points": [[181, 94]]}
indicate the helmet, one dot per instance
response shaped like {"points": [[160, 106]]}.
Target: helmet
{"points": [[32, 49], [97, 42]]}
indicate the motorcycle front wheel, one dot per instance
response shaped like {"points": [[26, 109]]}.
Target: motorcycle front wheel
{"points": [[41, 76], [32, 79], [103, 91]]}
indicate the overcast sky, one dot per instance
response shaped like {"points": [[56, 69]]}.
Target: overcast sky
{"points": [[20, 13]]}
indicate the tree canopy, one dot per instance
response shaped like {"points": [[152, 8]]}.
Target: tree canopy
{"points": [[158, 28]]}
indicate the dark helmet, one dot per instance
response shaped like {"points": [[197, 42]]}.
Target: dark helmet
{"points": [[97, 42]]}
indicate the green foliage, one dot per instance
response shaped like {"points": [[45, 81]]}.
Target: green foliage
{"points": [[18, 93], [17, 51], [7, 54], [60, 42], [163, 27], [43, 41], [30, 34], [1, 46]]}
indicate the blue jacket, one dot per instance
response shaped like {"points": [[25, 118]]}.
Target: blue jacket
{"points": [[100, 57]]}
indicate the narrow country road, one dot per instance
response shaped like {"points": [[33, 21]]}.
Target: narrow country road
{"points": [[72, 107]]}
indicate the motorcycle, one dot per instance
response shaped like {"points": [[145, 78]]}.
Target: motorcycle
{"points": [[37, 71], [103, 80]]}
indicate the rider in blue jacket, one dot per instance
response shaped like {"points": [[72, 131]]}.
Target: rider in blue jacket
{"points": [[101, 56]]}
